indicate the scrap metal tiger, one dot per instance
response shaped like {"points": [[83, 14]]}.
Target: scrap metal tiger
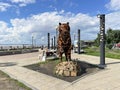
{"points": [[64, 41]]}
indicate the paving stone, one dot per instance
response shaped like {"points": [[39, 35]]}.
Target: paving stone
{"points": [[107, 79]]}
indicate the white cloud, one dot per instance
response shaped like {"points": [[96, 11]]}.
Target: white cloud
{"points": [[22, 30], [39, 25], [113, 20], [23, 2], [4, 6], [3, 27], [7, 35], [113, 5]]}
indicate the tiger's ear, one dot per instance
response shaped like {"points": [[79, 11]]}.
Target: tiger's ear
{"points": [[59, 23], [67, 23]]}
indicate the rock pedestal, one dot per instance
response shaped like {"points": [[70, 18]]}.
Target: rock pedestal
{"points": [[68, 69]]}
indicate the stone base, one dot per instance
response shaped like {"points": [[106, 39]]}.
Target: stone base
{"points": [[70, 68]]}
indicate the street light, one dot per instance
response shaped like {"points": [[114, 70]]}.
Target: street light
{"points": [[79, 41], [51, 43], [48, 40], [54, 42], [32, 41], [56, 36]]}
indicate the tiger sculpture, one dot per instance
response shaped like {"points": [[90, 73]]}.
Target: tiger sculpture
{"points": [[64, 41]]}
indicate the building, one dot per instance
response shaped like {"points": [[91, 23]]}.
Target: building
{"points": [[83, 43]]}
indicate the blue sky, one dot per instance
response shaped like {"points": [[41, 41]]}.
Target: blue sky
{"points": [[40, 6], [22, 19]]}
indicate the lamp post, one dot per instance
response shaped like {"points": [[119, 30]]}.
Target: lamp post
{"points": [[35, 43], [54, 42], [102, 39], [78, 41], [56, 36], [74, 48], [48, 40], [32, 42]]}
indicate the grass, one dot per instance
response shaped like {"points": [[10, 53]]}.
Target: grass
{"points": [[16, 82], [113, 54], [92, 51], [4, 74], [21, 84], [95, 51]]}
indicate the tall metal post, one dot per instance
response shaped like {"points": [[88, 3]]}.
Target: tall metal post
{"points": [[32, 42], [102, 39], [48, 40], [78, 41], [56, 37], [54, 42], [35, 43]]}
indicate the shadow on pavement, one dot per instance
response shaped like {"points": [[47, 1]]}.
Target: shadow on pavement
{"points": [[113, 63], [7, 64]]}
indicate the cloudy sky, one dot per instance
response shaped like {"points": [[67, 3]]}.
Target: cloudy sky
{"points": [[22, 19]]}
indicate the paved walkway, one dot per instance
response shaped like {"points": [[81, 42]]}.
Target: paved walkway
{"points": [[107, 79]]}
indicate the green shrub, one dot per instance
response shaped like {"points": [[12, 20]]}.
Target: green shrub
{"points": [[109, 46]]}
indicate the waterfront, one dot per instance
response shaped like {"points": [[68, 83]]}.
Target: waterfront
{"points": [[16, 46]]}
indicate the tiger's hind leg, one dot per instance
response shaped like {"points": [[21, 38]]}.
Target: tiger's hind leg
{"points": [[69, 55]]}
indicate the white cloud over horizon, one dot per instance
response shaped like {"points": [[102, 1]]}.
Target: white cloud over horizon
{"points": [[39, 25], [22, 30]]}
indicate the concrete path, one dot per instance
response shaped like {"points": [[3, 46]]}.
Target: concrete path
{"points": [[107, 79]]}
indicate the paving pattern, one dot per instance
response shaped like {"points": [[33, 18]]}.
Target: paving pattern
{"points": [[107, 79]]}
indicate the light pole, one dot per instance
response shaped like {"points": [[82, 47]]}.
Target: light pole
{"points": [[78, 41], [48, 40], [54, 42], [35, 43], [56, 36], [102, 39], [32, 42]]}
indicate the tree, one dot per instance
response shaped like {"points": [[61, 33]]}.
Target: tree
{"points": [[97, 40], [111, 37]]}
